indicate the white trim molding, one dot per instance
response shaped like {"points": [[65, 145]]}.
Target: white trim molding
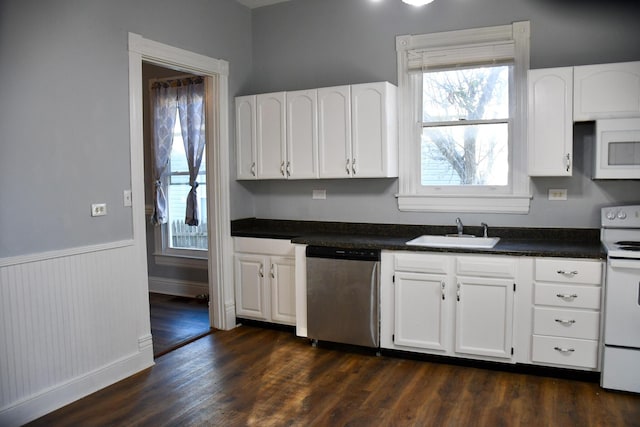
{"points": [[183, 288], [62, 253], [493, 44], [216, 72]]}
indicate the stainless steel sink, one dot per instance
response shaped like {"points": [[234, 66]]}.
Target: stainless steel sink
{"points": [[454, 241]]}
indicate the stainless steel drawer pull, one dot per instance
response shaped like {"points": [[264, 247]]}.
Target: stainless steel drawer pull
{"points": [[564, 350], [567, 296], [566, 322], [567, 273]]}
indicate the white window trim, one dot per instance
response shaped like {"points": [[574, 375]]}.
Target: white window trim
{"points": [[175, 257], [409, 197]]}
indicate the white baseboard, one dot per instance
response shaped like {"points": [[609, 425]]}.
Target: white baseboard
{"points": [[56, 397], [183, 288]]}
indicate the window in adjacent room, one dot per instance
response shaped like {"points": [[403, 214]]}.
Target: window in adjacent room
{"points": [[462, 129], [179, 167]]}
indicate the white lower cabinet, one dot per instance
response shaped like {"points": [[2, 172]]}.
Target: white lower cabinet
{"points": [[265, 279], [484, 316], [428, 306], [566, 313]]}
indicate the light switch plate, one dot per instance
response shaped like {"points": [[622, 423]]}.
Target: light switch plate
{"points": [[557, 194], [127, 197]]}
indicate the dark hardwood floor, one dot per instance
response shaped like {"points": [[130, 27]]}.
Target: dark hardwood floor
{"points": [[176, 321], [260, 377]]}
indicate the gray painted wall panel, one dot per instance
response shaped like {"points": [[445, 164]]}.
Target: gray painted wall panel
{"points": [[64, 109], [314, 43]]}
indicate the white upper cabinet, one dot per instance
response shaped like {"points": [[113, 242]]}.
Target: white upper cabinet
{"points": [[302, 134], [374, 151], [358, 131], [246, 137], [606, 91], [334, 131], [550, 122], [270, 135]]}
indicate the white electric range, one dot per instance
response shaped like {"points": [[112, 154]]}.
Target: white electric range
{"points": [[620, 235]]}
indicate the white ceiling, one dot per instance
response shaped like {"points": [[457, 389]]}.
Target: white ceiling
{"points": [[259, 3]]}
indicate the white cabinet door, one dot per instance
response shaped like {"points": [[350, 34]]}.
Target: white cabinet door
{"points": [[606, 91], [374, 130], [550, 124], [334, 132], [246, 136], [251, 298], [420, 310], [271, 135], [484, 317], [302, 134], [283, 294]]}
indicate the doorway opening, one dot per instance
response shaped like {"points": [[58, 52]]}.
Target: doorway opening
{"points": [[177, 252], [220, 245]]}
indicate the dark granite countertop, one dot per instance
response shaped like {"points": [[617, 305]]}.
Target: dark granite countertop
{"points": [[544, 242]]}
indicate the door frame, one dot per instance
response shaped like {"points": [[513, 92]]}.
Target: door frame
{"points": [[216, 71]]}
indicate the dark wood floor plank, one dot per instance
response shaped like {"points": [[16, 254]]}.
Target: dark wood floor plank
{"points": [[176, 321], [260, 377]]}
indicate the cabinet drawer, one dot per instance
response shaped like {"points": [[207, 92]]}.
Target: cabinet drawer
{"points": [[565, 351], [567, 295], [486, 267], [566, 323], [422, 263], [568, 271]]}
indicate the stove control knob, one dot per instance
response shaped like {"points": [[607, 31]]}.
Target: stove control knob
{"points": [[622, 215], [611, 215]]}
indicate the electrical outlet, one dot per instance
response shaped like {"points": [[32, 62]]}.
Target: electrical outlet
{"points": [[319, 194], [98, 209], [557, 194], [127, 197]]}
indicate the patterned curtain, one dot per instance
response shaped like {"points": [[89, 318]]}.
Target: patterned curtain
{"points": [[164, 101], [191, 112]]}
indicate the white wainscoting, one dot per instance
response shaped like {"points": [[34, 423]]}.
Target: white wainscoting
{"points": [[71, 323], [183, 288]]}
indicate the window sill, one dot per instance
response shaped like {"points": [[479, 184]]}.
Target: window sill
{"points": [[510, 204], [179, 260]]}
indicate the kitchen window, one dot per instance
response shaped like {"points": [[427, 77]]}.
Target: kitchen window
{"points": [[462, 109]]}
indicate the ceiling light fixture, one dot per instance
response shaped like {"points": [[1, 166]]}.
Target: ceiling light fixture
{"points": [[417, 2]]}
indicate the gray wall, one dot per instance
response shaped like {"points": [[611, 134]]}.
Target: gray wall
{"points": [[64, 115], [314, 43]]}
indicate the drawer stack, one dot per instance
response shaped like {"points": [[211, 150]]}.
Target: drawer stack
{"points": [[566, 313]]}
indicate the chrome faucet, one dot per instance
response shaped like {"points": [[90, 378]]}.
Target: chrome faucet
{"points": [[459, 225], [485, 229]]}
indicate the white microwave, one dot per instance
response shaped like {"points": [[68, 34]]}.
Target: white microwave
{"points": [[617, 149]]}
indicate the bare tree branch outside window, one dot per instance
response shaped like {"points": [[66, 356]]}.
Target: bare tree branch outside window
{"points": [[465, 126]]}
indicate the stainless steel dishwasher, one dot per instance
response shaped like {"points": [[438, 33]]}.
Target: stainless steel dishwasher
{"points": [[343, 294]]}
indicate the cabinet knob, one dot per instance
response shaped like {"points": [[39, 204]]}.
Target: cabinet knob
{"points": [[282, 168], [353, 166], [568, 161], [288, 168], [261, 271], [253, 168], [272, 272], [347, 168]]}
